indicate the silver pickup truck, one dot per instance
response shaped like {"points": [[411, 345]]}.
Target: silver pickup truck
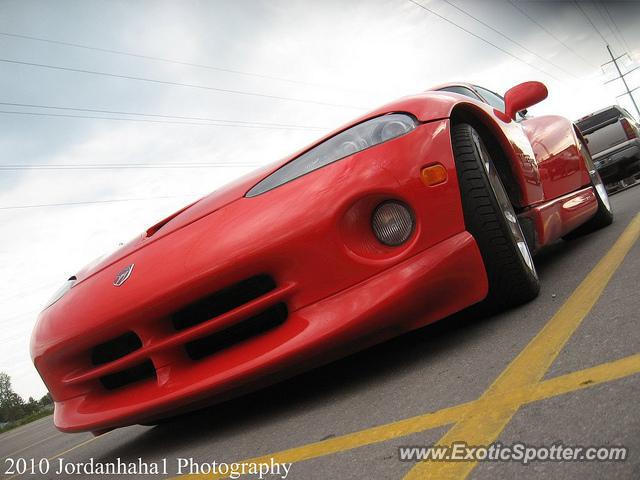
{"points": [[613, 137]]}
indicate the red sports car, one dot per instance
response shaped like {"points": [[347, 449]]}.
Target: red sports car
{"points": [[417, 210]]}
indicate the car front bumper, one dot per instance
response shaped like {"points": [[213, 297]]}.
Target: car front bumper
{"points": [[426, 287]]}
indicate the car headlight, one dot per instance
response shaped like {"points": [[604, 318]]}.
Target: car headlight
{"points": [[355, 139], [392, 223], [61, 292]]}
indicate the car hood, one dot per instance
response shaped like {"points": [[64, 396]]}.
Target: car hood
{"points": [[426, 107], [180, 219]]}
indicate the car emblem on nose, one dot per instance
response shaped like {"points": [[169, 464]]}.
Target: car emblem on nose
{"points": [[123, 275]]}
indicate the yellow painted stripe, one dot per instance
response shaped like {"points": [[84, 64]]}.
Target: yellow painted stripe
{"points": [[483, 424], [81, 444], [45, 439], [28, 428], [586, 378], [532, 393], [356, 439], [563, 384]]}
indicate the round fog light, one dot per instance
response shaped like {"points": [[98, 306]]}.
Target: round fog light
{"points": [[392, 223]]}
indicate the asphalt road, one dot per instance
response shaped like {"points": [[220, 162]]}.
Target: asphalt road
{"points": [[443, 365]]}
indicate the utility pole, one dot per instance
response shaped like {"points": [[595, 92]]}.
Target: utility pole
{"points": [[621, 76]]}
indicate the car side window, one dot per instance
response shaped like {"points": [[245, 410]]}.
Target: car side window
{"points": [[493, 99], [462, 91]]}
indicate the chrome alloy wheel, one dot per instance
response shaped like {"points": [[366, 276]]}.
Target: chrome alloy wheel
{"points": [[505, 205], [596, 180]]}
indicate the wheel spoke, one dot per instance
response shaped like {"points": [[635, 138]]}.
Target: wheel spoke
{"points": [[505, 205]]}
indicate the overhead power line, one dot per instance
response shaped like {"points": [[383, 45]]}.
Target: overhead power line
{"points": [[125, 166], [177, 84], [171, 60], [216, 121], [479, 37], [625, 45], [140, 120], [65, 204], [607, 23], [621, 76], [595, 28], [550, 33], [515, 42]]}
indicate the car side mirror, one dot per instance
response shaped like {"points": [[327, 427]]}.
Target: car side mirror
{"points": [[523, 96]]}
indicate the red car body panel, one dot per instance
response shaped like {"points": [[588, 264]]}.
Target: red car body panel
{"points": [[556, 150], [340, 288]]}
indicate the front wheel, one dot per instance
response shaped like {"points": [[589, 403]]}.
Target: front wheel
{"points": [[489, 216]]}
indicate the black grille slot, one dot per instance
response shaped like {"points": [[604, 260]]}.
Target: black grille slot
{"points": [[134, 374], [117, 348], [239, 332], [114, 349], [222, 301]]}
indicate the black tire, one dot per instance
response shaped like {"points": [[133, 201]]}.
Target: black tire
{"points": [[490, 218], [604, 215]]}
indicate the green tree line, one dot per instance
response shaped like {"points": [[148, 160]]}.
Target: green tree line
{"points": [[12, 405]]}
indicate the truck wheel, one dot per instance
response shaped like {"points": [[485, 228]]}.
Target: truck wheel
{"points": [[489, 216], [604, 214]]}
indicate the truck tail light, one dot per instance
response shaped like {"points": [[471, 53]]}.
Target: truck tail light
{"points": [[628, 129]]}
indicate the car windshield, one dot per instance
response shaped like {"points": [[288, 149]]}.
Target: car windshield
{"points": [[493, 99]]}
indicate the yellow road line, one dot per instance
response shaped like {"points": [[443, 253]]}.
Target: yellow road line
{"points": [[28, 428], [81, 444], [531, 393], [483, 424], [586, 378], [31, 446], [550, 388]]}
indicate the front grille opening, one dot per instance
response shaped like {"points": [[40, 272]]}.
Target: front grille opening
{"points": [[140, 372], [222, 301], [116, 348], [244, 330]]}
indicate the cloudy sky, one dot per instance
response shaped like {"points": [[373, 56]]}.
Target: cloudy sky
{"points": [[233, 85]]}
